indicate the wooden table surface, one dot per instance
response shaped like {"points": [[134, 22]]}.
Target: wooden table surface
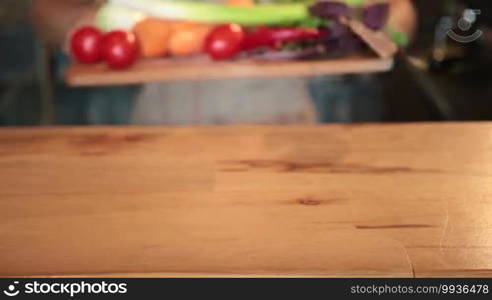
{"points": [[356, 200]]}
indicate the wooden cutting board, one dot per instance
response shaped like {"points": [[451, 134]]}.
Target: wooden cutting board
{"points": [[201, 68]]}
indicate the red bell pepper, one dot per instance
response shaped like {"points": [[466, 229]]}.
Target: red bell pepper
{"points": [[273, 37]]}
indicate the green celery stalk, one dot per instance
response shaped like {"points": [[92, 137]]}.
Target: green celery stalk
{"points": [[123, 12], [112, 16]]}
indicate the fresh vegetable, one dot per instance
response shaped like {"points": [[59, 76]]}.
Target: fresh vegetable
{"points": [[273, 37], [202, 12], [282, 55], [342, 41], [120, 49], [355, 3], [241, 3], [376, 16], [118, 17], [331, 10], [225, 41], [183, 25], [296, 28], [188, 39], [153, 36], [126, 13], [86, 44]]}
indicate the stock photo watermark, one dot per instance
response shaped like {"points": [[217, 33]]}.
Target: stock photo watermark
{"points": [[464, 24], [70, 289]]}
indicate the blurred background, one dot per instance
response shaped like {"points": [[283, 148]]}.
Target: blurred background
{"points": [[436, 79]]}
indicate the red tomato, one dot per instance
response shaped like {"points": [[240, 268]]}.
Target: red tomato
{"points": [[120, 49], [225, 41], [86, 44]]}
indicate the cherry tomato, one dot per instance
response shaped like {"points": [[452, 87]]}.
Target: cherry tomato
{"points": [[86, 44], [120, 49], [225, 41]]}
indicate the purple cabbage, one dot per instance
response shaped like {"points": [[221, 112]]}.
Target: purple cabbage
{"points": [[331, 9], [342, 41], [376, 16], [307, 53]]}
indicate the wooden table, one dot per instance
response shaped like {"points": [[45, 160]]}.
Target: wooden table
{"points": [[359, 200]]}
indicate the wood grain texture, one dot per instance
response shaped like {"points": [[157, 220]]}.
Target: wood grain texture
{"points": [[359, 200], [159, 70]]}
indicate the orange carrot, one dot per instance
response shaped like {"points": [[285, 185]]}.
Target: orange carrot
{"points": [[242, 3], [188, 38], [153, 35]]}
